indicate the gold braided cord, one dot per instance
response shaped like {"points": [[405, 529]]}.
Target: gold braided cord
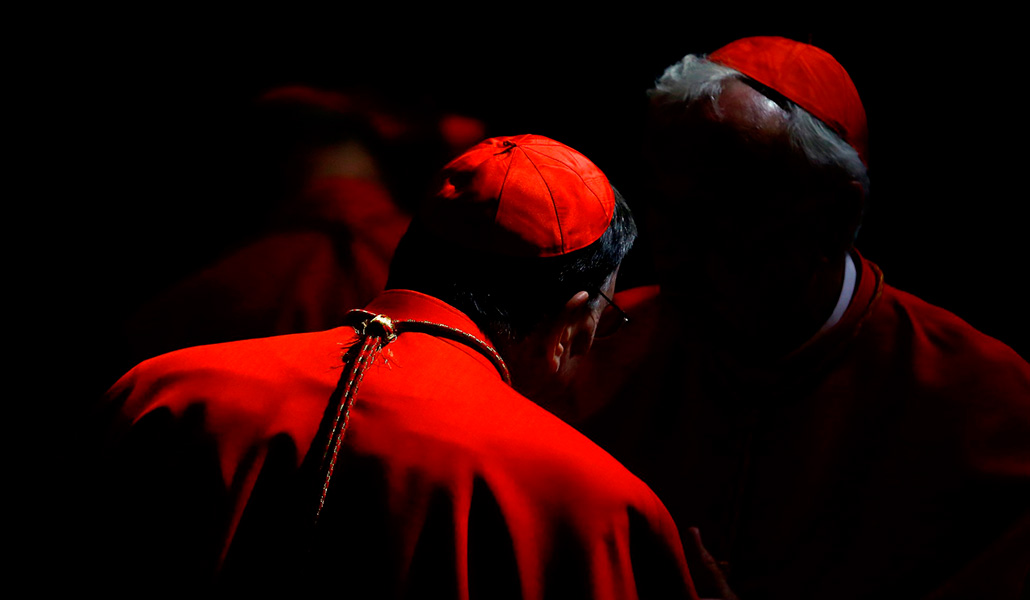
{"points": [[458, 335], [378, 330], [369, 350]]}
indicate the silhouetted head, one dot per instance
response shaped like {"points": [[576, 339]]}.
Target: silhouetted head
{"points": [[524, 236], [759, 198]]}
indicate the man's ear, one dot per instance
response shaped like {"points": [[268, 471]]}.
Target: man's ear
{"points": [[853, 200], [852, 206], [844, 220], [574, 334]]}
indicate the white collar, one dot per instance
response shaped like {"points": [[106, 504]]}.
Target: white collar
{"points": [[846, 290]]}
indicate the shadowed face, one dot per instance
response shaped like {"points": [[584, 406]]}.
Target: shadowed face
{"points": [[741, 222], [544, 365]]}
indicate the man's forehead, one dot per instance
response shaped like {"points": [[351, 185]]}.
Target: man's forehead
{"points": [[730, 154], [741, 131], [743, 111], [738, 115]]}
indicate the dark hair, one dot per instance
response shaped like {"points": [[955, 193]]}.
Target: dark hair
{"points": [[508, 296]]}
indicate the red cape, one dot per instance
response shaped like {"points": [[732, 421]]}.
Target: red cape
{"points": [[450, 484]]}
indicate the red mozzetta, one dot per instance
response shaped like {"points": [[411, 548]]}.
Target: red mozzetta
{"points": [[450, 484], [887, 458]]}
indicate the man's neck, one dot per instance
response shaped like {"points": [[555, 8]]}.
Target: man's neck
{"points": [[822, 307]]}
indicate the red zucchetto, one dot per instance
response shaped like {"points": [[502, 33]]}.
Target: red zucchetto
{"points": [[805, 75], [524, 195]]}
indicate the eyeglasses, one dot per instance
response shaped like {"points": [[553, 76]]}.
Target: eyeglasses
{"points": [[612, 318]]}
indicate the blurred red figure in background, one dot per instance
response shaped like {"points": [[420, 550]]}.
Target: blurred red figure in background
{"points": [[328, 184]]}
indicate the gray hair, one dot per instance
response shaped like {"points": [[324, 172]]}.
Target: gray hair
{"points": [[694, 77]]}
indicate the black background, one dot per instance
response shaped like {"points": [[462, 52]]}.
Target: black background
{"points": [[138, 128]]}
